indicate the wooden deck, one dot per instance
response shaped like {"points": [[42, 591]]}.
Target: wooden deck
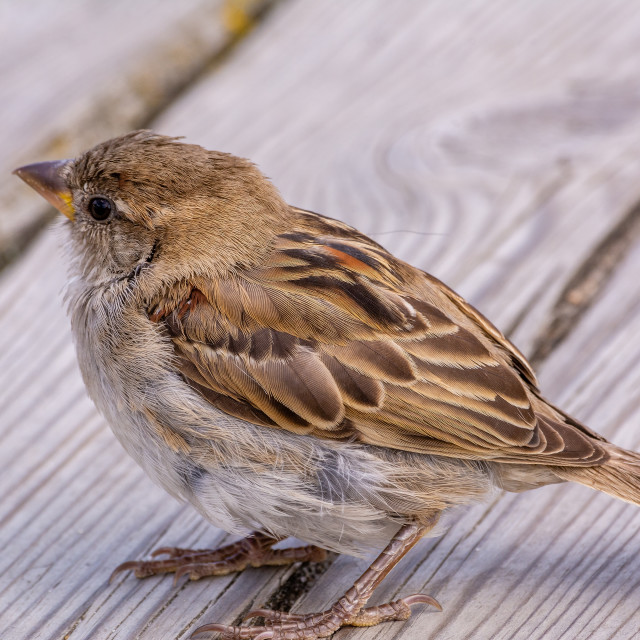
{"points": [[494, 144]]}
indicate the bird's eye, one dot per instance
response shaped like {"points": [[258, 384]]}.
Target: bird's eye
{"points": [[100, 208]]}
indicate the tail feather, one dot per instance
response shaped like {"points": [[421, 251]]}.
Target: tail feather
{"points": [[619, 476]]}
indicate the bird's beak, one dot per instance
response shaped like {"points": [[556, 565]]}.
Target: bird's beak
{"points": [[47, 179]]}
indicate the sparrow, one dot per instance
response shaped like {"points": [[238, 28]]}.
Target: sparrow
{"points": [[287, 376]]}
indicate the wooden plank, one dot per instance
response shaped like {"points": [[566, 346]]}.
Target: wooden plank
{"points": [[511, 171], [606, 389], [76, 73]]}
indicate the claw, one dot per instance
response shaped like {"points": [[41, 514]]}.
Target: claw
{"points": [[184, 570], [125, 566], [216, 627], [422, 598], [258, 613]]}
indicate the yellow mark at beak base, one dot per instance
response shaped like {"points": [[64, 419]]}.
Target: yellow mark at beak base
{"points": [[48, 179]]}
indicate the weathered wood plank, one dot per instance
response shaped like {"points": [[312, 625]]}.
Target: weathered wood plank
{"points": [[516, 174]]}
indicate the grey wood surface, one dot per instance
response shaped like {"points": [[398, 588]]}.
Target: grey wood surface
{"points": [[493, 144]]}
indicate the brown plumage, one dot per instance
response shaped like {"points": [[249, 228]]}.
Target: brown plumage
{"points": [[333, 336], [285, 373]]}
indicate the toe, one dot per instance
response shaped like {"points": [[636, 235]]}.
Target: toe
{"points": [[172, 552], [235, 633], [274, 616]]}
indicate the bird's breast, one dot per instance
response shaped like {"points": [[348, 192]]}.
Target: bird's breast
{"points": [[343, 496]]}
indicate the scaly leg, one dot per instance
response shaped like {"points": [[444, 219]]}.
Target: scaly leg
{"points": [[253, 551], [348, 610]]}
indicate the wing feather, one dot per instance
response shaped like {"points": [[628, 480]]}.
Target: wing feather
{"points": [[333, 336]]}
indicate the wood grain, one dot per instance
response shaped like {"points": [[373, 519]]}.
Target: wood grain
{"points": [[492, 144]]}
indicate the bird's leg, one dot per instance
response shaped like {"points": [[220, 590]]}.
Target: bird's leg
{"points": [[253, 551], [348, 610]]}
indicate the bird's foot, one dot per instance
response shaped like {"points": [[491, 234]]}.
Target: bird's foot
{"points": [[253, 551], [291, 626]]}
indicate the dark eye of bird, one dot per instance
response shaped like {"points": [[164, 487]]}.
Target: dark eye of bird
{"points": [[100, 208]]}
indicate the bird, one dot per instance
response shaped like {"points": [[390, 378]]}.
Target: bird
{"points": [[287, 376]]}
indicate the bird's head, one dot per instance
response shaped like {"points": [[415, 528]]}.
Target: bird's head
{"points": [[146, 198]]}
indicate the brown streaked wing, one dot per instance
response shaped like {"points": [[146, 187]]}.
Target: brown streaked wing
{"points": [[334, 337]]}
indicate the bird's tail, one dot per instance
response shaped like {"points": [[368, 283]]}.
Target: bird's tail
{"points": [[619, 476]]}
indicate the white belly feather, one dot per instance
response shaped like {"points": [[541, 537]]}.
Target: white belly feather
{"points": [[240, 476]]}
